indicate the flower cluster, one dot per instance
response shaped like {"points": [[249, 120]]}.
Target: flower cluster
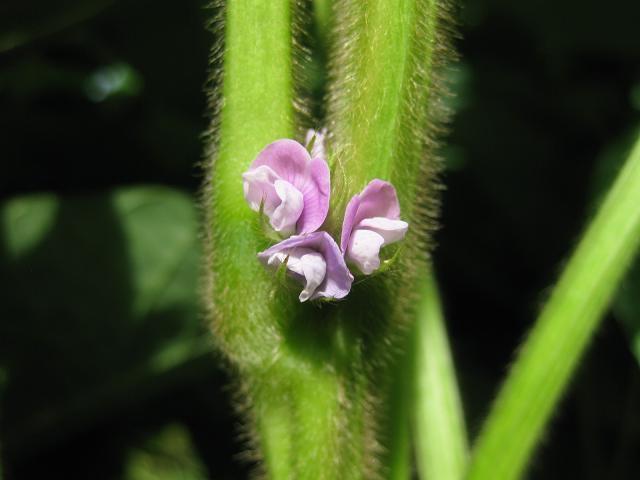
{"points": [[291, 186]]}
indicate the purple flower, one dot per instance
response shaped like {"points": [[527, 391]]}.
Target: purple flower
{"points": [[371, 221], [316, 261], [292, 187]]}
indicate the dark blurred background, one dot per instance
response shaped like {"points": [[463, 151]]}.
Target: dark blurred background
{"points": [[106, 371]]}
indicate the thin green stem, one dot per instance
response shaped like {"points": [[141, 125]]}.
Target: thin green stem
{"points": [[561, 334], [440, 434]]}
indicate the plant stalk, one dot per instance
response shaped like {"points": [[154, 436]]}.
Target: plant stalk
{"points": [[440, 433], [551, 353]]}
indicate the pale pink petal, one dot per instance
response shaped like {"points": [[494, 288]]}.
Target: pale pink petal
{"points": [[378, 199], [391, 230], [349, 221], [307, 265], [287, 158], [258, 184], [285, 216], [371, 221], [289, 161], [364, 250], [337, 279]]}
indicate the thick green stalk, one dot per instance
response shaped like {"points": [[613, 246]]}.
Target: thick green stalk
{"points": [[440, 434], [256, 108], [561, 334], [298, 380], [400, 405], [253, 100], [311, 375], [383, 106], [382, 117], [290, 388]]}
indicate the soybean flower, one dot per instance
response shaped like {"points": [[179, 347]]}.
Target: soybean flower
{"points": [[290, 187], [371, 221]]}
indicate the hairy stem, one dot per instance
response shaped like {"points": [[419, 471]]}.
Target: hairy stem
{"points": [[312, 375], [254, 106], [383, 117], [561, 334], [382, 107], [441, 439]]}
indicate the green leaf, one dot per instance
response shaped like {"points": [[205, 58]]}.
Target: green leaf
{"points": [[26, 221], [103, 289], [550, 355], [168, 455], [626, 305], [440, 433]]}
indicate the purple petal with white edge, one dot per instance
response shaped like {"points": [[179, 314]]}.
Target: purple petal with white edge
{"points": [[371, 221], [304, 264], [290, 161], [378, 199]]}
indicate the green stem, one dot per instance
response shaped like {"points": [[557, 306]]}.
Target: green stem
{"points": [[255, 106], [382, 114], [256, 109], [398, 457], [323, 21], [553, 349], [441, 439], [384, 109], [313, 375]]}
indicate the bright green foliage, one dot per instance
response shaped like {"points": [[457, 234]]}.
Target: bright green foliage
{"points": [[551, 353], [441, 439]]}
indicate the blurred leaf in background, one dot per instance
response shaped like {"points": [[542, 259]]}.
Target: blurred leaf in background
{"points": [[169, 455], [103, 293]]}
